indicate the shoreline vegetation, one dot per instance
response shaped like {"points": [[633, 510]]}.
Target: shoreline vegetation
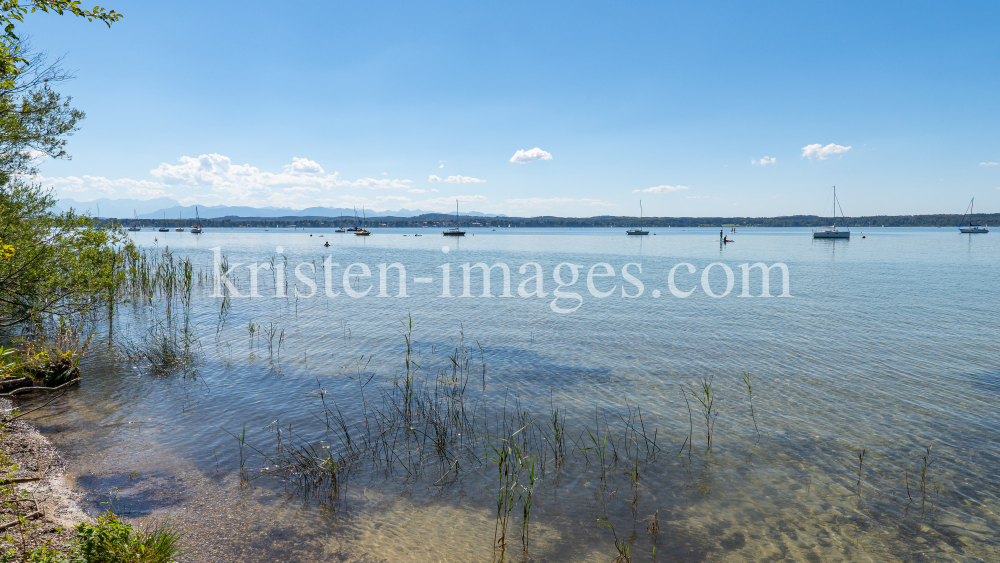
{"points": [[606, 221], [59, 272]]}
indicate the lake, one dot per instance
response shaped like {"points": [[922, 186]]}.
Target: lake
{"points": [[877, 349]]}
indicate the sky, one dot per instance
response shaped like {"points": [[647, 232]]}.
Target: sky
{"points": [[536, 108]]}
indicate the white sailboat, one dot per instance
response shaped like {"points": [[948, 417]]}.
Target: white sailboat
{"points": [[363, 231], [832, 231], [638, 230], [196, 228], [135, 225], [457, 230], [972, 228]]}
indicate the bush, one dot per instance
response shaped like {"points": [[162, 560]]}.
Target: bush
{"points": [[110, 540]]}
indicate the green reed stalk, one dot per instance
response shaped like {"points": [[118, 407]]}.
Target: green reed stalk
{"points": [[746, 381], [923, 477], [861, 461]]}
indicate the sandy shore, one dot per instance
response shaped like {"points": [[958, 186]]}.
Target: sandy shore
{"points": [[48, 491]]}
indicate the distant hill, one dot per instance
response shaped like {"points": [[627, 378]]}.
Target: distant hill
{"points": [[171, 209]]}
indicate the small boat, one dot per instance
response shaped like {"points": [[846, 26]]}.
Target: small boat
{"points": [[832, 231], [179, 219], [638, 231], [363, 231], [164, 229], [973, 228], [196, 228], [355, 228], [135, 226], [341, 230], [456, 231]]}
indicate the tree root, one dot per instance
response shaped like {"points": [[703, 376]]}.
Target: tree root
{"points": [[11, 524], [26, 390]]}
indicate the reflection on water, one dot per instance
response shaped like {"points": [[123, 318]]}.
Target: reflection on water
{"points": [[889, 345]]}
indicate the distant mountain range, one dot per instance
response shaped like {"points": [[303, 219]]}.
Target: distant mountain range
{"points": [[170, 208]]}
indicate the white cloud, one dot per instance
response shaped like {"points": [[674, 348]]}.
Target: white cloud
{"points": [[433, 178], [597, 203], [463, 180], [661, 189], [303, 190], [434, 190], [417, 191], [449, 202], [764, 161], [302, 166], [248, 185], [139, 189], [989, 163], [820, 152], [141, 192], [72, 180], [523, 156]]}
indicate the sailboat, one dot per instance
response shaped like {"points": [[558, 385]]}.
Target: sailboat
{"points": [[196, 228], [164, 228], [456, 231], [831, 231], [363, 231], [135, 225], [638, 230], [355, 228], [179, 229], [972, 228]]}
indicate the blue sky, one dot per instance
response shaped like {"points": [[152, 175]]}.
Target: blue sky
{"points": [[337, 103]]}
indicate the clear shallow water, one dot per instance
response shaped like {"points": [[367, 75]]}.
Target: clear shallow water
{"points": [[889, 344]]}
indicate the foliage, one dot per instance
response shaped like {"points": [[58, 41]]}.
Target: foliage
{"points": [[110, 540], [13, 12], [65, 265], [35, 120]]}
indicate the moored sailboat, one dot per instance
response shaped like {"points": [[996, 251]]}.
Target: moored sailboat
{"points": [[638, 230], [196, 228], [973, 228], [363, 231], [457, 230], [832, 231], [135, 226]]}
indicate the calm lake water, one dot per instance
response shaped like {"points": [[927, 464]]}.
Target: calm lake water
{"points": [[889, 344]]}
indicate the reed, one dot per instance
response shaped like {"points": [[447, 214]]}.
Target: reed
{"points": [[702, 392], [689, 440], [906, 478], [861, 462], [622, 548], [163, 348], [241, 442], [753, 416], [923, 476]]}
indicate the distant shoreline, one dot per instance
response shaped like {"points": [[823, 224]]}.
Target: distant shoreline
{"points": [[445, 220]]}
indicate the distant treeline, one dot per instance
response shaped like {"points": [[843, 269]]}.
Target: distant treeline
{"points": [[439, 220]]}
